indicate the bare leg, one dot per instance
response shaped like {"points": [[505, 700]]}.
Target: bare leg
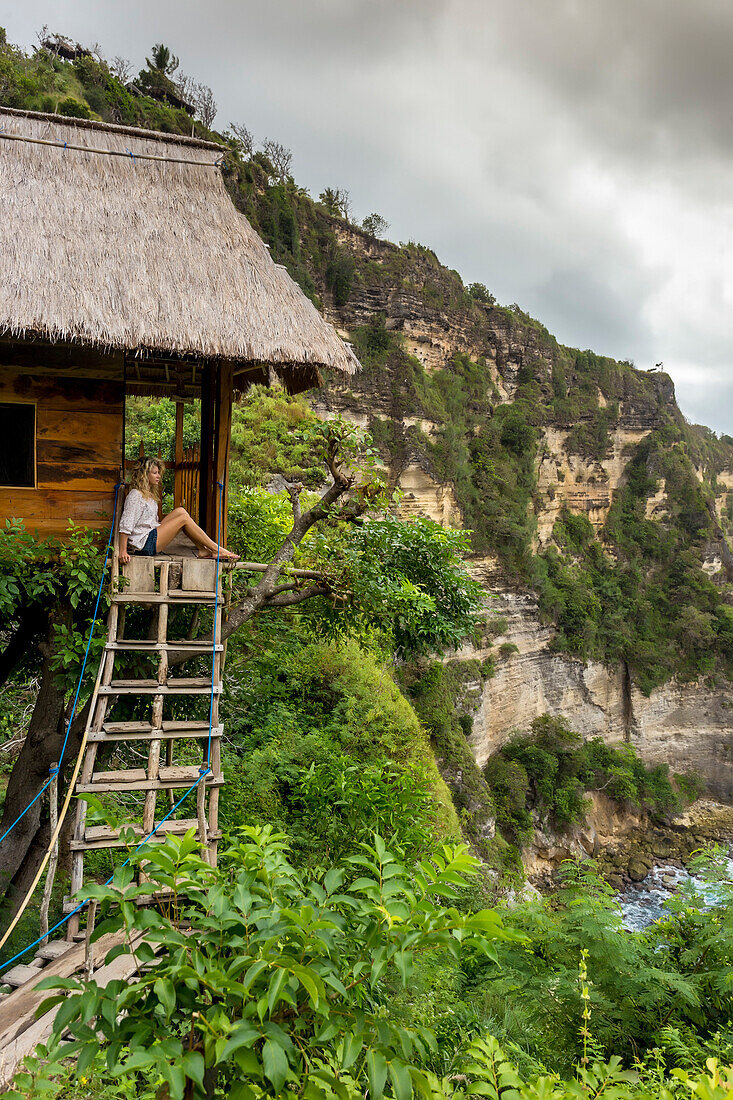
{"points": [[179, 520]]}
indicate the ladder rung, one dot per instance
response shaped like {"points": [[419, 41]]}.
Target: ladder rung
{"points": [[155, 597], [195, 685], [102, 836], [53, 950], [21, 974], [168, 647], [135, 779], [192, 594], [68, 905], [144, 731]]}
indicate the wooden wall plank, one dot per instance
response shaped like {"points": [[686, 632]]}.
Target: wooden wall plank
{"points": [[79, 443], [67, 476], [48, 511], [86, 452], [60, 425], [72, 395], [61, 360]]}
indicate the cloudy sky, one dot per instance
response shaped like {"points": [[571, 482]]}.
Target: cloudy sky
{"points": [[575, 156]]}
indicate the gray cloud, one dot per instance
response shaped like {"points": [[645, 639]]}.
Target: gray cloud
{"points": [[576, 157]]}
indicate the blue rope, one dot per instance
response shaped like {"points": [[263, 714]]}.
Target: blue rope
{"points": [[81, 906], [203, 771], [55, 771], [216, 611]]}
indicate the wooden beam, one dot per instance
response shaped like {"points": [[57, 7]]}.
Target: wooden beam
{"points": [[222, 433], [206, 478], [20, 1031], [178, 475]]}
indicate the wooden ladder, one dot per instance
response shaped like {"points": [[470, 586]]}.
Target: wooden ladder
{"points": [[106, 737]]}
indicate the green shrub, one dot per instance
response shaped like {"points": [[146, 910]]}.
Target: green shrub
{"points": [[279, 981], [74, 108], [549, 770]]}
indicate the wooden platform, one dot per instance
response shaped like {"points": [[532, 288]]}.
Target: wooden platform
{"points": [[20, 1030]]}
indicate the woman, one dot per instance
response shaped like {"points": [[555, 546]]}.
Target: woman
{"points": [[140, 531]]}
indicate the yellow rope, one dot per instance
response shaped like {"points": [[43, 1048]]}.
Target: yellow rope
{"points": [[57, 830], [77, 765]]}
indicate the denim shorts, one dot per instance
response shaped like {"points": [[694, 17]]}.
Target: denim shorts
{"points": [[150, 544]]}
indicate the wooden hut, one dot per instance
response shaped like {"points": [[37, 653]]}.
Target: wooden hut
{"points": [[126, 269]]}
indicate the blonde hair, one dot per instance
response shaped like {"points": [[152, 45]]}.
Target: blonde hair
{"points": [[140, 480]]}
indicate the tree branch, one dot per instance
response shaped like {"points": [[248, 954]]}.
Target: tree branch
{"points": [[285, 600], [283, 588], [264, 594], [294, 491]]}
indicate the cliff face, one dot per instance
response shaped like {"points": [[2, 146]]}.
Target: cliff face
{"points": [[591, 420], [687, 726]]}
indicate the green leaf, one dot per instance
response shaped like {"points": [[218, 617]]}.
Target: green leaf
{"points": [[253, 973], [193, 1066], [244, 1035], [166, 994], [277, 981], [403, 961], [377, 1073], [275, 1064], [401, 1080], [66, 1013], [86, 1057], [175, 1076], [350, 1050], [248, 1063]]}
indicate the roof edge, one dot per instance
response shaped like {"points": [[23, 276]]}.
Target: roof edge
{"points": [[114, 128]]}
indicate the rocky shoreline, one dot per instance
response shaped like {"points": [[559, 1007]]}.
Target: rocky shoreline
{"points": [[628, 845]]}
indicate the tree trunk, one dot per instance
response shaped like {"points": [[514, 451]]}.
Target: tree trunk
{"points": [[23, 848]]}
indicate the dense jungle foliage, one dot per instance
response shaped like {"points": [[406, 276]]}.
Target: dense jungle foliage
{"points": [[383, 977], [348, 945]]}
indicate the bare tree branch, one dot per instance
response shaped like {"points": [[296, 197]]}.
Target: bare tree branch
{"points": [[296, 597], [294, 491], [244, 138], [280, 157], [261, 595], [121, 68], [283, 588]]}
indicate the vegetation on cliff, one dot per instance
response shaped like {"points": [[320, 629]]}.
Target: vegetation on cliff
{"points": [[636, 592]]}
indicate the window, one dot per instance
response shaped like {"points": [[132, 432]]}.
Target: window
{"points": [[17, 445]]}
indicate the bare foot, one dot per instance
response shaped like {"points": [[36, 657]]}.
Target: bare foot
{"points": [[224, 555]]}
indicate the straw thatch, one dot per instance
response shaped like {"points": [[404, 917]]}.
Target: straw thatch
{"points": [[149, 256]]}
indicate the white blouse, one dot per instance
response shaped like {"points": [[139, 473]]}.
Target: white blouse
{"points": [[139, 518]]}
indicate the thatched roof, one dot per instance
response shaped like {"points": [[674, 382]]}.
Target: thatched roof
{"points": [[143, 255]]}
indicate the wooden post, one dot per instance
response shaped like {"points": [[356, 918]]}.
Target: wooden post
{"points": [[53, 798], [88, 945], [206, 475], [178, 473], [222, 431]]}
